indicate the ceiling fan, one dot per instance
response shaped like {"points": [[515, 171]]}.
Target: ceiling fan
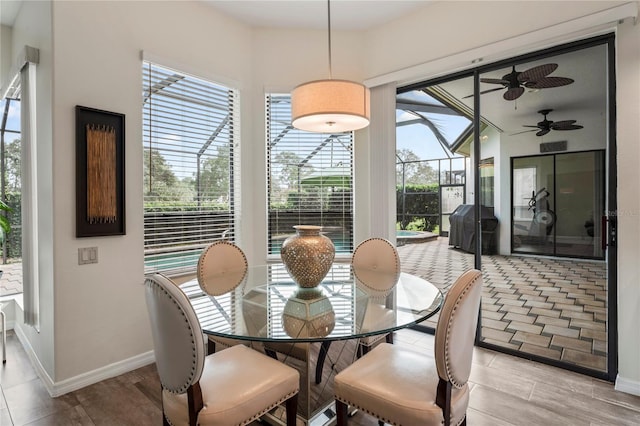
{"points": [[534, 78], [545, 126]]}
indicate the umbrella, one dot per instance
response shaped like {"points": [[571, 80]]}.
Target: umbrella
{"points": [[329, 176]]}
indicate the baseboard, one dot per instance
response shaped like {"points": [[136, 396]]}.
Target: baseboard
{"points": [[35, 362], [85, 379], [108, 371], [627, 385]]}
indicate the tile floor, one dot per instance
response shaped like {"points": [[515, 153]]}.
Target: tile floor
{"points": [[505, 391], [550, 307]]}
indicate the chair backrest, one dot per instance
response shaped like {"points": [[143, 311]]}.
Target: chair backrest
{"points": [[177, 336], [221, 267], [376, 264], [457, 327]]}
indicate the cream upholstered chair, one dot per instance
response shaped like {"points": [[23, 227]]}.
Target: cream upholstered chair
{"points": [[407, 387], [222, 266], [233, 386], [376, 265]]}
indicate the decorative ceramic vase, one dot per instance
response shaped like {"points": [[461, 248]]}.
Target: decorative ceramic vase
{"points": [[308, 255]]}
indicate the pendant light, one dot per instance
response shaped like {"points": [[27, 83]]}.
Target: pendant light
{"points": [[329, 106]]}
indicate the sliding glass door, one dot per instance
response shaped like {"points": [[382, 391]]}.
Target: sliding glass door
{"points": [[542, 153], [557, 203]]}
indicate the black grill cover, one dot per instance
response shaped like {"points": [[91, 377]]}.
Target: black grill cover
{"points": [[462, 229]]}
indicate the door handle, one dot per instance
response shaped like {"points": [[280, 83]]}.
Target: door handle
{"points": [[610, 238]]}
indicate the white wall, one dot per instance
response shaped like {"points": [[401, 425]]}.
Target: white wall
{"points": [[6, 59], [100, 315], [100, 312]]}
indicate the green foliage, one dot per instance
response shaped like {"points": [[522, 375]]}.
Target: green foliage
{"points": [[417, 224], [12, 153], [5, 225], [418, 207], [179, 206], [414, 170], [13, 241]]}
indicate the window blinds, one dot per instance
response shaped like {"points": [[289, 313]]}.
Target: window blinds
{"points": [[310, 179], [190, 139]]}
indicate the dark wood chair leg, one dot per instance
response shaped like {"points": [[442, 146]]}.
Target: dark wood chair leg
{"points": [[364, 349], [211, 347], [271, 353], [322, 355], [292, 410], [390, 338], [341, 413]]}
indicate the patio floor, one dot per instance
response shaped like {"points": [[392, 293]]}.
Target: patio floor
{"points": [[11, 280], [550, 307]]}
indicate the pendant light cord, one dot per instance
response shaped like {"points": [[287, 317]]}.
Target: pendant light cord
{"points": [[329, 34]]}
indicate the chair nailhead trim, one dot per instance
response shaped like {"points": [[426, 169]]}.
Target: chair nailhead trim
{"points": [[454, 382], [183, 388], [266, 410]]}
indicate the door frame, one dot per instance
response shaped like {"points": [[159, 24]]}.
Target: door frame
{"points": [[610, 201]]}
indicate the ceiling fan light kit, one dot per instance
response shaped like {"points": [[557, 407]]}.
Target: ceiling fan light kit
{"points": [[327, 106]]}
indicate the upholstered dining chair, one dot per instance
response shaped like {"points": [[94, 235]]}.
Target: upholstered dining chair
{"points": [[376, 265], [233, 386], [222, 267], [407, 387]]}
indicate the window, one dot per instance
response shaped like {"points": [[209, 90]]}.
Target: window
{"points": [[190, 139], [309, 179], [524, 184], [487, 184]]}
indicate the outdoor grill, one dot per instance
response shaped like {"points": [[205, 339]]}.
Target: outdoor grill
{"points": [[462, 230]]}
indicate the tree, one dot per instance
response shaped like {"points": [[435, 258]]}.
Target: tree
{"points": [[214, 182], [416, 171], [159, 180], [12, 152]]}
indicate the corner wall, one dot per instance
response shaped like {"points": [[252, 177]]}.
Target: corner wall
{"points": [[101, 317]]}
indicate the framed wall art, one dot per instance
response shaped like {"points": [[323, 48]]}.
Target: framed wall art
{"points": [[100, 209]]}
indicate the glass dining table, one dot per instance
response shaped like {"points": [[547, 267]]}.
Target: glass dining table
{"points": [[307, 328]]}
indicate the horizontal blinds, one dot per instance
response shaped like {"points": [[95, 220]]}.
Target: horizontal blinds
{"points": [[188, 140], [310, 179]]}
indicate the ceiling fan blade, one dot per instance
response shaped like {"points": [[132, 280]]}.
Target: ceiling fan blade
{"points": [[513, 93], [569, 127], [525, 125], [562, 123], [494, 81], [484, 91], [537, 73], [524, 131], [548, 82], [542, 132]]}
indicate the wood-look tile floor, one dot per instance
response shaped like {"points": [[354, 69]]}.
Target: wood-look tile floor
{"points": [[504, 391]]}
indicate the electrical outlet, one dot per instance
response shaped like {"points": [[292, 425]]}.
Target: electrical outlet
{"points": [[87, 255]]}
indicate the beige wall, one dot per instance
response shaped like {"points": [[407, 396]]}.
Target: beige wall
{"points": [[100, 316]]}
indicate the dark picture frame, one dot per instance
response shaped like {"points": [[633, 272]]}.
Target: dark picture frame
{"points": [[100, 203]]}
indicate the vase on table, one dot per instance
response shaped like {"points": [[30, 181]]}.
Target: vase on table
{"points": [[308, 255]]}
